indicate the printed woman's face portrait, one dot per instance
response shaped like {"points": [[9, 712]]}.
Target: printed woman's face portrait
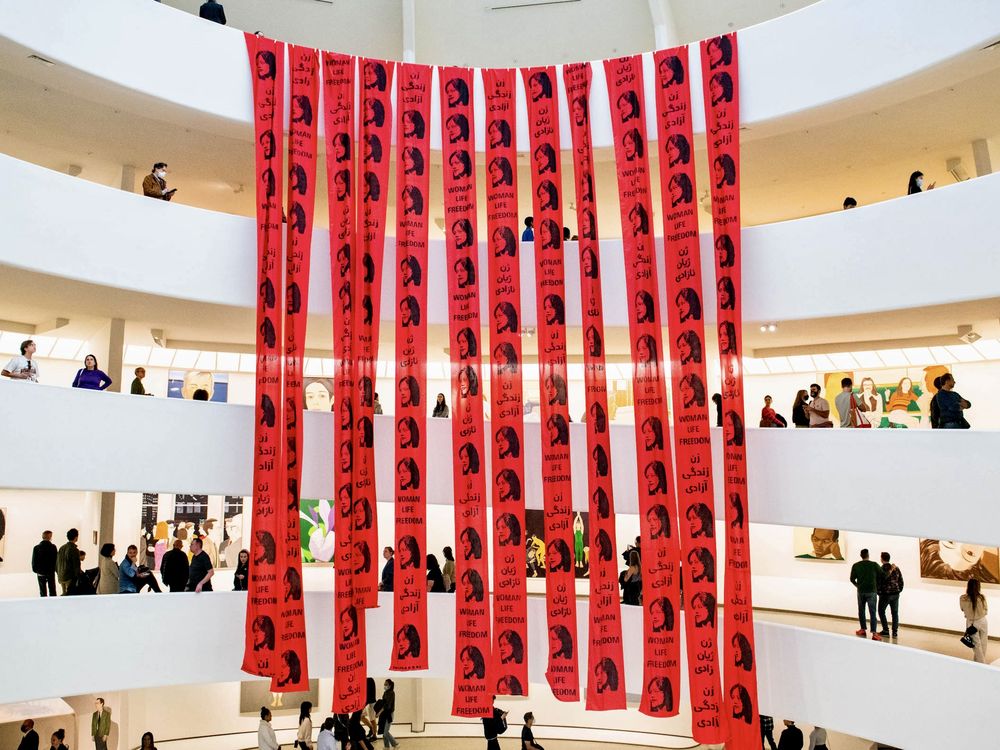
{"points": [[342, 150], [553, 433], [360, 521], [535, 87], [725, 299], [404, 313], [656, 697], [408, 164], [652, 485], [579, 112], [683, 306], [642, 348], [699, 611], [657, 616], [404, 393], [630, 146], [503, 485], [453, 93], [546, 235], [587, 225], [725, 344], [463, 345], [653, 518], [673, 152], [729, 429], [405, 477], [263, 68], [684, 348], [624, 108], [697, 567], [462, 272], [636, 218], [340, 184], [464, 459], [403, 430], [715, 89]]}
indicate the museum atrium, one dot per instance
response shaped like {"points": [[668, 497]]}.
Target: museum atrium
{"points": [[892, 106]]}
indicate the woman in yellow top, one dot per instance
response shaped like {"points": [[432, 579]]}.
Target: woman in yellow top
{"points": [[899, 401]]}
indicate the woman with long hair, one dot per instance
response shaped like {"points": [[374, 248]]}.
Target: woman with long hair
{"points": [[973, 605], [303, 738], [147, 742], [899, 405], [435, 581], [108, 571], [241, 579], [631, 580], [870, 402], [448, 571], [90, 376], [799, 416], [440, 407]]}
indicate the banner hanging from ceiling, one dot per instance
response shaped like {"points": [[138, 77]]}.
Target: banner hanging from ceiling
{"points": [[606, 681], [510, 604], [550, 295], [413, 99], [263, 615], [692, 444], [350, 668], [657, 501], [473, 695], [720, 82]]}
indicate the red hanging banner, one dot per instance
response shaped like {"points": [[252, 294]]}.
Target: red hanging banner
{"points": [[692, 445], [473, 695], [267, 67], [657, 502], [546, 184], [510, 605], [606, 681], [293, 670], [720, 81], [413, 98], [372, 200], [350, 669]]}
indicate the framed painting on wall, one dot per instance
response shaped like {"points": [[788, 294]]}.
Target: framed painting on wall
{"points": [[946, 560], [818, 544]]}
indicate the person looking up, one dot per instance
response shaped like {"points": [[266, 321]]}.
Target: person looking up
{"points": [[43, 564], [866, 576], [849, 202], [950, 405], [212, 11], [154, 185], [889, 589], [528, 235], [23, 367], [916, 184], [818, 410], [90, 376]]}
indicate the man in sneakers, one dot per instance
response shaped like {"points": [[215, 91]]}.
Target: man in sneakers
{"points": [[889, 589], [866, 576]]}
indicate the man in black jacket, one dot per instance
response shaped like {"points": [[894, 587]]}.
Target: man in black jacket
{"points": [[30, 739], [791, 737], [174, 567], [493, 727], [213, 11], [43, 564]]}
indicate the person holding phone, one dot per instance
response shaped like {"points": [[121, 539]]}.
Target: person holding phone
{"points": [[154, 185]]}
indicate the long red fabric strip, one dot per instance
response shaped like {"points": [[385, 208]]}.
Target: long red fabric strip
{"points": [[267, 64], [292, 671], [371, 201], [657, 501], [547, 200], [606, 681], [413, 97], [473, 663], [350, 669], [692, 444], [720, 80], [510, 606]]}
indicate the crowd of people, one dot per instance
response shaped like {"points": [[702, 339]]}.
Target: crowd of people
{"points": [[440, 579], [791, 737]]}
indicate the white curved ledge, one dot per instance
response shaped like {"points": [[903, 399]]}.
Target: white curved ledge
{"points": [[811, 675], [788, 65], [70, 228], [94, 450]]}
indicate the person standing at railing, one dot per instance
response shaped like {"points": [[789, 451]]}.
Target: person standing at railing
{"points": [[916, 184], [154, 185], [90, 377], [212, 11], [950, 405], [23, 367]]}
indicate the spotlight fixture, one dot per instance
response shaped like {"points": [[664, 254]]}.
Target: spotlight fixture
{"points": [[768, 327], [966, 334]]}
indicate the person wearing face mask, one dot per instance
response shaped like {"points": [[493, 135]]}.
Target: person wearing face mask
{"points": [[154, 185], [916, 184]]}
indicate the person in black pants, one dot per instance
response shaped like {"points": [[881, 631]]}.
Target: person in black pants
{"points": [[174, 567], [493, 727], [357, 732], [791, 738], [767, 731], [43, 563]]}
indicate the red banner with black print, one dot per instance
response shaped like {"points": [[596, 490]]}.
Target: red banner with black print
{"points": [[692, 444], [606, 681], [660, 550], [720, 83], [372, 200], [473, 696], [413, 104], [547, 201], [510, 605], [350, 668], [267, 66], [292, 669]]}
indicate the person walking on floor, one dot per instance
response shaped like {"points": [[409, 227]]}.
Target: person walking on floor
{"points": [[494, 726], [817, 739], [767, 728], [43, 564], [265, 732], [303, 739], [527, 736], [388, 708], [973, 605], [889, 589], [791, 737], [68, 566], [100, 724], [866, 575]]}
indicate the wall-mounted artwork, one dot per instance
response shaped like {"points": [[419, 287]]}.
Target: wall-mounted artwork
{"points": [[316, 530], [318, 394], [185, 383], [534, 523], [256, 694], [819, 544], [232, 531], [955, 561], [901, 404]]}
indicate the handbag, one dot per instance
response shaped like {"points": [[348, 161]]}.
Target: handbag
{"points": [[860, 420], [967, 638]]}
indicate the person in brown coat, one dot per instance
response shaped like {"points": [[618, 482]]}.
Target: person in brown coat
{"points": [[154, 185]]}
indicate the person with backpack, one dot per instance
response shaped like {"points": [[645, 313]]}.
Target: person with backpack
{"points": [[890, 586]]}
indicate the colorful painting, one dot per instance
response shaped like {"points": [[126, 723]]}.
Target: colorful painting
{"points": [[534, 523], [900, 404], [318, 394], [819, 544], [955, 561], [232, 531], [184, 384], [257, 694], [316, 530]]}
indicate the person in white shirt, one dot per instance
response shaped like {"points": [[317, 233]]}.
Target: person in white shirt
{"points": [[326, 741], [303, 740], [265, 732], [818, 410], [23, 367], [817, 739]]}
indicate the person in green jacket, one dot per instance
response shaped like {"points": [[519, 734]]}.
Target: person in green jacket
{"points": [[866, 575], [100, 724], [68, 561]]}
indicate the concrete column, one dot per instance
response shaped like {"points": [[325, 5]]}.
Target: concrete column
{"points": [[981, 156], [417, 693], [409, 30], [664, 26], [128, 178], [106, 531], [116, 349]]}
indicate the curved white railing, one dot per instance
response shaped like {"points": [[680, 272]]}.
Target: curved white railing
{"points": [[95, 450], [74, 229], [788, 65], [817, 677]]}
